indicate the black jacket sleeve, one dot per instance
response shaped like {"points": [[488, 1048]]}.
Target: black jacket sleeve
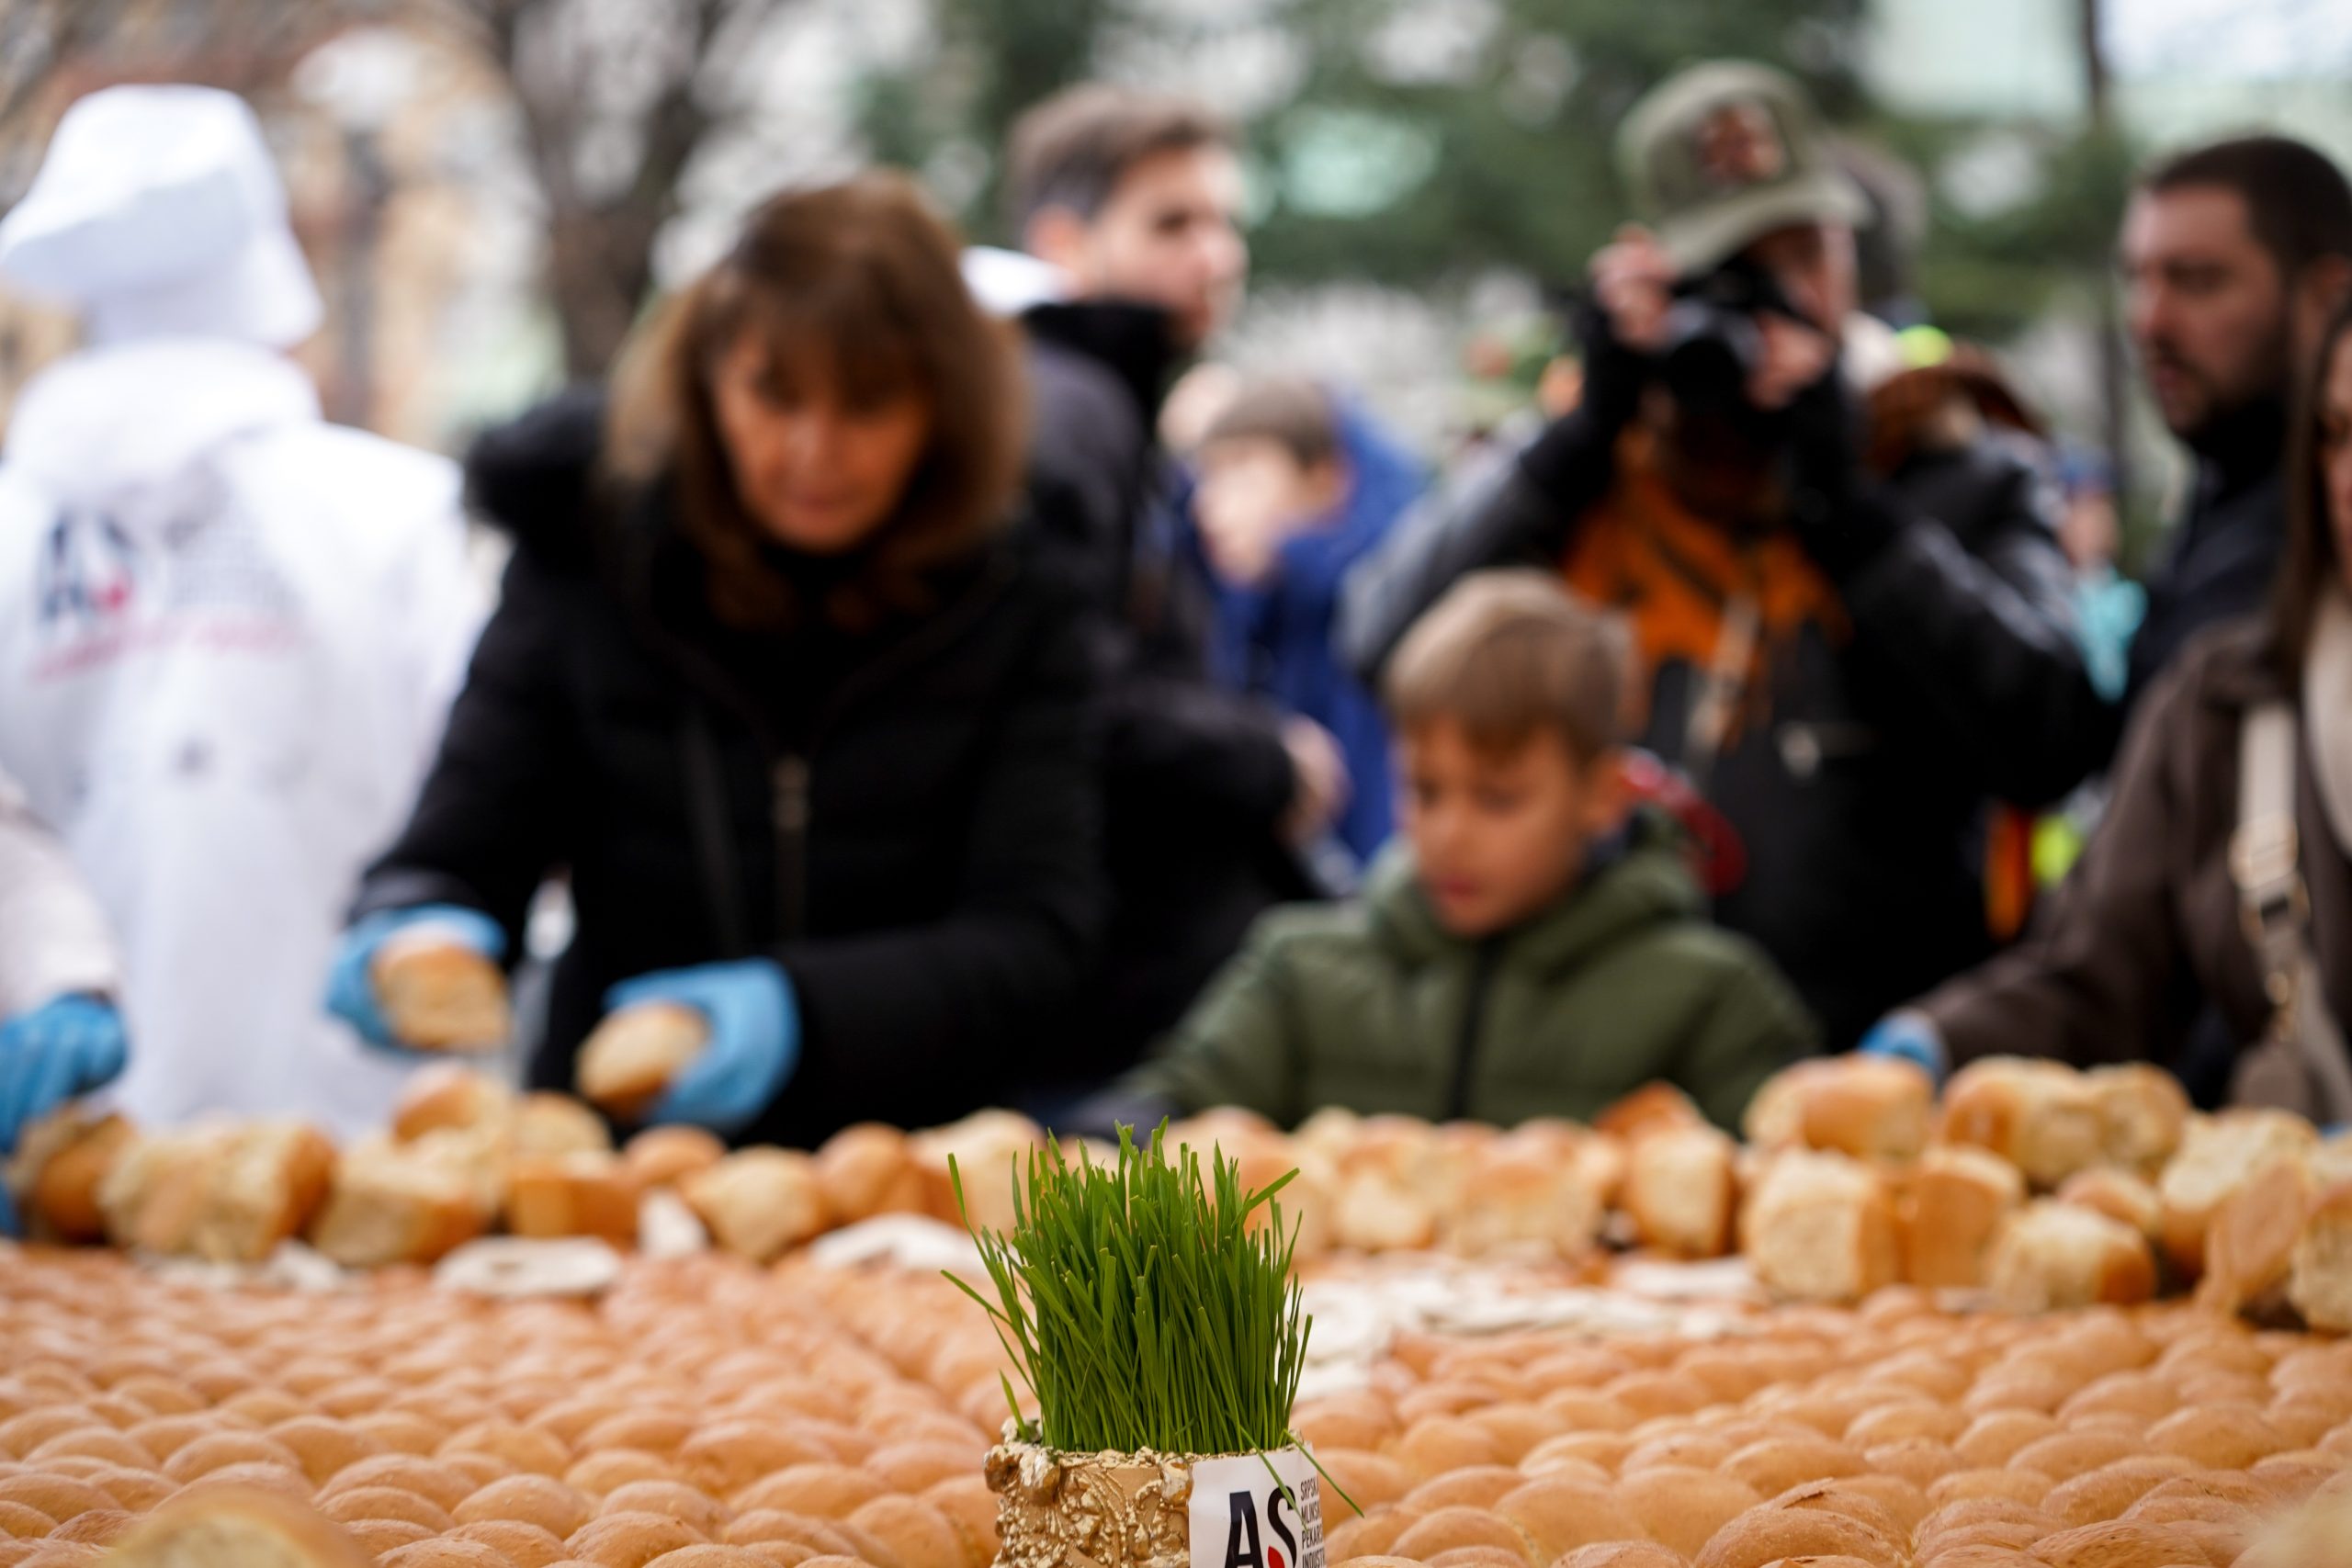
{"points": [[957, 994], [1970, 605], [489, 824], [1168, 733], [1514, 508]]}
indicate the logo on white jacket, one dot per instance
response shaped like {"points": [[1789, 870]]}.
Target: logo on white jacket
{"points": [[87, 575]]}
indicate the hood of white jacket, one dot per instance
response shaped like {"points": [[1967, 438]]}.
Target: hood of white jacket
{"points": [[107, 419]]}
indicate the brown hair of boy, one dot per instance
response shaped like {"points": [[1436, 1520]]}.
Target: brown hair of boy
{"points": [[1509, 655], [1289, 411]]}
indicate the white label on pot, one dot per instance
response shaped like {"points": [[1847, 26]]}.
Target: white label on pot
{"points": [[1243, 1516]]}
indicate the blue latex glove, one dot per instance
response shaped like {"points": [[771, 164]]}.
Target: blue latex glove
{"points": [[351, 989], [754, 1039], [60, 1049], [1911, 1037]]}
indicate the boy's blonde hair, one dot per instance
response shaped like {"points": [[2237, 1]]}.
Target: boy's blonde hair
{"points": [[1508, 655]]}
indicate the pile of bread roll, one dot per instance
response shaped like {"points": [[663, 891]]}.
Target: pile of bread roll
{"points": [[2040, 1185], [465, 1156], [709, 1412]]}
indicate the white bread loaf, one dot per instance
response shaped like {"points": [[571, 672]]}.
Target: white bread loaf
{"points": [[757, 1203], [60, 1163], [1819, 1227], [411, 1203], [2050, 1256], [2219, 1154], [637, 1052], [2318, 1280], [574, 1194], [2143, 1112], [2043, 1117], [1953, 1203], [1518, 1195], [437, 994], [1869, 1107], [1681, 1190]]}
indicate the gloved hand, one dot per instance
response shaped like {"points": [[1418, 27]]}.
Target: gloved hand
{"points": [[50, 1054], [1841, 515], [351, 988], [754, 1039], [1911, 1037]]}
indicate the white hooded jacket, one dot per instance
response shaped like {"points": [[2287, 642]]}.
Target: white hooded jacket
{"points": [[229, 635]]}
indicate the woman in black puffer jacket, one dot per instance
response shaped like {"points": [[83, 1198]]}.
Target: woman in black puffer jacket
{"points": [[769, 684]]}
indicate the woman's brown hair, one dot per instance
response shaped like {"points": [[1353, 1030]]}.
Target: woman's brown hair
{"points": [[857, 284], [2311, 564]]}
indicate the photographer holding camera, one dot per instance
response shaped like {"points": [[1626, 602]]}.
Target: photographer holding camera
{"points": [[1853, 613]]}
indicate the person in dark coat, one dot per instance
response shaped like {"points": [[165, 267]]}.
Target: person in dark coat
{"points": [[1126, 205], [771, 684], [2150, 935], [2234, 256], [1851, 647]]}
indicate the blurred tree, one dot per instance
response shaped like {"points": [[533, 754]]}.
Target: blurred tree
{"points": [[1407, 140], [616, 97]]}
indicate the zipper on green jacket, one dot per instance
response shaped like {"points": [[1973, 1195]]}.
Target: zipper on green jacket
{"points": [[1473, 1018]]}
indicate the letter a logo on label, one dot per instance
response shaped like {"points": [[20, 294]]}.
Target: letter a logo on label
{"points": [[1245, 1521]]}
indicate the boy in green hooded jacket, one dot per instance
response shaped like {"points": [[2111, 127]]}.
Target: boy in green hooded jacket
{"points": [[1530, 947]]}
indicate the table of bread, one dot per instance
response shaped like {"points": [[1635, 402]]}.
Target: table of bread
{"points": [[2050, 1319]]}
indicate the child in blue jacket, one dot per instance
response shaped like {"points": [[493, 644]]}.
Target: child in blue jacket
{"points": [[1294, 488]]}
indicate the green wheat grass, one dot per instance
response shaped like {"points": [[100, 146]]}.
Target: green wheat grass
{"points": [[1140, 1306]]}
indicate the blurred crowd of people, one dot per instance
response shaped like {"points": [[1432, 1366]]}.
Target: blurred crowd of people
{"points": [[899, 666]]}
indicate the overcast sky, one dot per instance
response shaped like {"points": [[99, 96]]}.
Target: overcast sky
{"points": [[2231, 37]]}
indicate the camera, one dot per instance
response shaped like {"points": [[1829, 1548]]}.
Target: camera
{"points": [[1713, 344]]}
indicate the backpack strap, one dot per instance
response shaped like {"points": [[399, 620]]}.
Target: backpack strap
{"points": [[2302, 1055]]}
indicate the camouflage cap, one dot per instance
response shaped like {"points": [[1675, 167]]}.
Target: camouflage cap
{"points": [[1719, 155]]}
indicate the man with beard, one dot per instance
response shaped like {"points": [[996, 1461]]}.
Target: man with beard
{"points": [[2233, 256]]}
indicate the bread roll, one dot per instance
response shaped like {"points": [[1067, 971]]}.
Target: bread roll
{"points": [[1652, 1108], [152, 1193], [60, 1164], [449, 1098], [1819, 1228], [1953, 1203], [391, 1203], [665, 1157], [866, 1170], [1393, 1187], [985, 1150], [2142, 1115], [578, 1194], [548, 1124], [269, 1181], [2043, 1117], [440, 994], [2050, 1256], [1681, 1190], [638, 1052], [2219, 1154], [2118, 1194], [1521, 1196], [631, 1541], [228, 1192], [1766, 1535], [1869, 1107], [757, 1202], [2319, 1279], [230, 1529], [2250, 1239]]}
